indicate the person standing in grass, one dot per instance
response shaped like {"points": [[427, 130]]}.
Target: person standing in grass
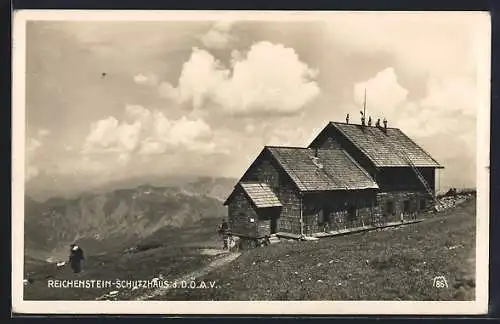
{"points": [[76, 258]]}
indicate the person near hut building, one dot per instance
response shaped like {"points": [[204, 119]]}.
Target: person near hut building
{"points": [[76, 258], [224, 233]]}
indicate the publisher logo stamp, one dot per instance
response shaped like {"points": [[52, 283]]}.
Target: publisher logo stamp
{"points": [[439, 282]]}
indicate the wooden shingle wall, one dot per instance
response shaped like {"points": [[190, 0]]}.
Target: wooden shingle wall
{"points": [[240, 212], [332, 211], [405, 179], [398, 199], [331, 137], [267, 171]]}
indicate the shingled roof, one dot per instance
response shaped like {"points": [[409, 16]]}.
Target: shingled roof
{"points": [[389, 148], [333, 169], [261, 195]]}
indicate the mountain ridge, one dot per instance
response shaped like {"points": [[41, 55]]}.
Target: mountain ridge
{"points": [[107, 220]]}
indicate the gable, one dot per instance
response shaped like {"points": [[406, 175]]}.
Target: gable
{"points": [[262, 170]]}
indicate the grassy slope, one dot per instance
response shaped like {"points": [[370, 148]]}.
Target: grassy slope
{"points": [[172, 253], [395, 264]]}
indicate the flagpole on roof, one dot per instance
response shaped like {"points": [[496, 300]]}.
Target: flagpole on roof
{"points": [[364, 105]]}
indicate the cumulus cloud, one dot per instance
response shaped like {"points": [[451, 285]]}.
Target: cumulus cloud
{"points": [[269, 79], [383, 92], [110, 135], [146, 132], [149, 79], [219, 35], [443, 121], [447, 99]]}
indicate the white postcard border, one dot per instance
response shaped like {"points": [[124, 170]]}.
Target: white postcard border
{"points": [[479, 306]]}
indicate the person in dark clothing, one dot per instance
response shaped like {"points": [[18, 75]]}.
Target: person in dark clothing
{"points": [[223, 231], [76, 258]]}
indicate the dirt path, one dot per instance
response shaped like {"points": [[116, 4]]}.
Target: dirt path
{"points": [[195, 274], [220, 261]]}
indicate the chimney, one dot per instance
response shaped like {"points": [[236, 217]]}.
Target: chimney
{"points": [[377, 124], [370, 121], [385, 125], [347, 119], [362, 118], [315, 159]]}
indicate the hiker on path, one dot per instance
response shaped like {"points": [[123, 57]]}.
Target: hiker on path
{"points": [[76, 258]]}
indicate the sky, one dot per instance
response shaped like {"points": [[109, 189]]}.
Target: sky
{"points": [[110, 100]]}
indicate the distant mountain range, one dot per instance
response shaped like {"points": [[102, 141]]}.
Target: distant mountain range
{"points": [[46, 186], [107, 219]]}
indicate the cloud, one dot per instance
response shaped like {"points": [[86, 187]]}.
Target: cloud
{"points": [[31, 172], [146, 132], [455, 94], [110, 135], [383, 93], [249, 128], [417, 48], [287, 137], [147, 79], [219, 36], [443, 121], [450, 99], [42, 132], [33, 145], [270, 79]]}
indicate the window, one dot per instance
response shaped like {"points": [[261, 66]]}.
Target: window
{"points": [[422, 204], [389, 208], [406, 206], [351, 213], [324, 215]]}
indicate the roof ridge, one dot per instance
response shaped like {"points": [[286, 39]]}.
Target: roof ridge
{"points": [[350, 124], [286, 147]]}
